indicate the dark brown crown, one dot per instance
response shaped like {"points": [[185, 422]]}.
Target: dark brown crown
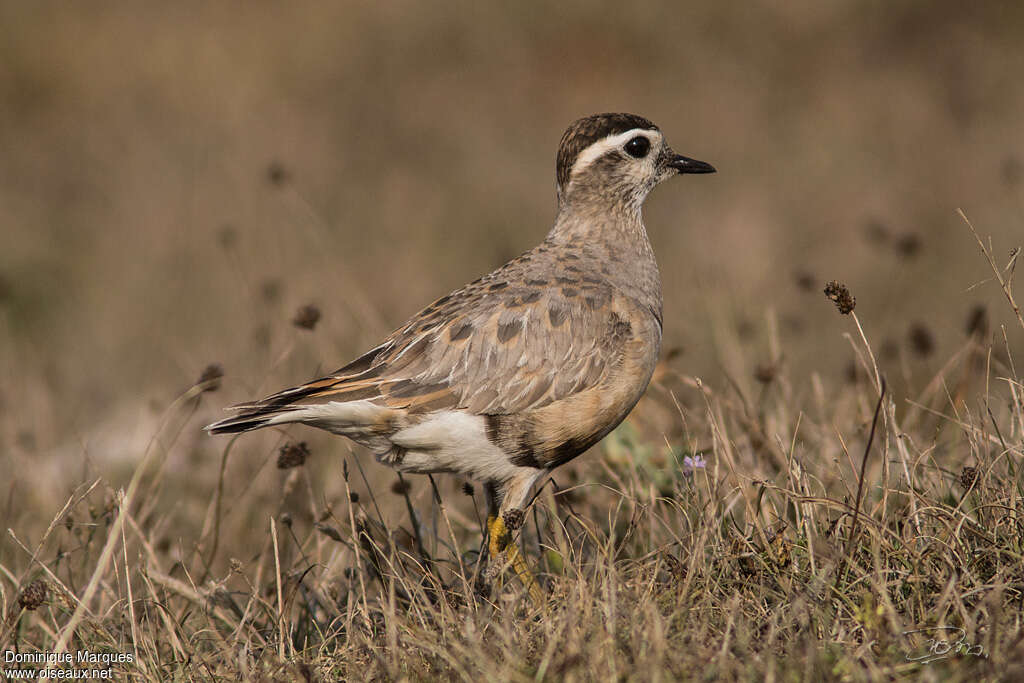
{"points": [[588, 130]]}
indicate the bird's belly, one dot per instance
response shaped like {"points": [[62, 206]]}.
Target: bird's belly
{"points": [[450, 441]]}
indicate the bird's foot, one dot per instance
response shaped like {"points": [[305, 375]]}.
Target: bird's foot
{"points": [[502, 551]]}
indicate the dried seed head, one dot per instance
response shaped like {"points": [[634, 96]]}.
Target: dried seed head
{"points": [[921, 340], [840, 295], [467, 488], [968, 477], [513, 519], [227, 236], [277, 174], [353, 497], [765, 372], [210, 377], [400, 487], [908, 245], [292, 455], [977, 322], [286, 519], [236, 566], [34, 595], [306, 317]]}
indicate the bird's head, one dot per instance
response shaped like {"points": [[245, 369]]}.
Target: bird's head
{"points": [[614, 160]]}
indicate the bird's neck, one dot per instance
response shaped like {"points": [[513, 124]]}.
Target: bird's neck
{"points": [[617, 238], [617, 220]]}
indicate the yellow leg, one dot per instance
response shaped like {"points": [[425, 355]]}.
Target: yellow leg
{"points": [[499, 541]]}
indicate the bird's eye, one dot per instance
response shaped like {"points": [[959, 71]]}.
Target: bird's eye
{"points": [[638, 147]]}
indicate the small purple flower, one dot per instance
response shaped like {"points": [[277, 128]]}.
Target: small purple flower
{"points": [[691, 465]]}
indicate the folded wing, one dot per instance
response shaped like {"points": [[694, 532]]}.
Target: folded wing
{"points": [[498, 346]]}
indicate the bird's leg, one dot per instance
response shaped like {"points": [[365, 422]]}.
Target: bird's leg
{"points": [[501, 524], [497, 532], [513, 520]]}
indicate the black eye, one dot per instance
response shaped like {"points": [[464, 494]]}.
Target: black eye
{"points": [[638, 147]]}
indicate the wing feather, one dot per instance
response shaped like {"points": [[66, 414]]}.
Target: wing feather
{"points": [[507, 343]]}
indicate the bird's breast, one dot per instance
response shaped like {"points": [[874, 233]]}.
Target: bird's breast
{"points": [[558, 432]]}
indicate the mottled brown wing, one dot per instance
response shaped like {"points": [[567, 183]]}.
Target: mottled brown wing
{"points": [[494, 347]]}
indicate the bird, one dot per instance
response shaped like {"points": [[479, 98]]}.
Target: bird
{"points": [[518, 372]]}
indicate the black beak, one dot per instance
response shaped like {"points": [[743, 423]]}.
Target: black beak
{"points": [[687, 165]]}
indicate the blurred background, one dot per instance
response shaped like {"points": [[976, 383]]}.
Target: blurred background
{"points": [[177, 179]]}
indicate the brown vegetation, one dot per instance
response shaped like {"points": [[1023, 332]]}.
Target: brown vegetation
{"points": [[180, 180]]}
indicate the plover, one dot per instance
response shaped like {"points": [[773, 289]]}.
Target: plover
{"points": [[525, 368]]}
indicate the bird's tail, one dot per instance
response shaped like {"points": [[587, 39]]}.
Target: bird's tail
{"points": [[254, 418], [349, 403], [362, 421]]}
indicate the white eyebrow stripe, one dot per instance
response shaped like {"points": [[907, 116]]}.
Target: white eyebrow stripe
{"points": [[604, 145]]}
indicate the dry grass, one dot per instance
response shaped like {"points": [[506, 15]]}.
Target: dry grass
{"points": [[204, 201], [828, 536]]}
